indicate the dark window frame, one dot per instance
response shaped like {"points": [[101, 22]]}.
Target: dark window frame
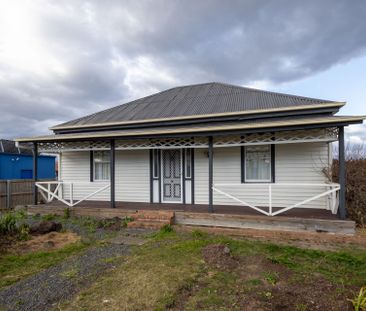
{"points": [[272, 168]]}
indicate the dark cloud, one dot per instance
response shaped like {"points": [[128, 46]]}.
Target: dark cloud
{"points": [[99, 53]]}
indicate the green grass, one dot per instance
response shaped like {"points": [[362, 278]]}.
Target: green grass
{"points": [[15, 267], [156, 274]]}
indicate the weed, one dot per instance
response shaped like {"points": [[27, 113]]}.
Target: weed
{"points": [[198, 234], [359, 302], [23, 232], [268, 295], [271, 277], [67, 213], [165, 232], [70, 274], [8, 224], [126, 220], [49, 217], [301, 307]]}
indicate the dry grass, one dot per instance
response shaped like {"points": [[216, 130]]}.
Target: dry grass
{"points": [[46, 242], [148, 280]]}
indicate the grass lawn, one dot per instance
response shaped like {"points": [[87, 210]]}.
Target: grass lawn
{"points": [[15, 267], [196, 271]]}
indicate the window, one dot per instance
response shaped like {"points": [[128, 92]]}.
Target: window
{"points": [[258, 163], [155, 163], [101, 165], [188, 167]]}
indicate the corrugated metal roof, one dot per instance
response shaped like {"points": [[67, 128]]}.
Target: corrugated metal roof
{"points": [[201, 128], [196, 100], [8, 146]]}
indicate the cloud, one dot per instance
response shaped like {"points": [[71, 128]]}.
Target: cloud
{"points": [[356, 134], [60, 60]]}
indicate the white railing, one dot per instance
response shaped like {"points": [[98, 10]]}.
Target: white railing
{"points": [[48, 194], [331, 192]]}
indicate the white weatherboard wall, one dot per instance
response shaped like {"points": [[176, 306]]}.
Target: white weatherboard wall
{"points": [[294, 163], [132, 176]]}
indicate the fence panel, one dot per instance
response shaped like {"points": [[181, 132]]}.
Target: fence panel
{"points": [[16, 192], [3, 195]]}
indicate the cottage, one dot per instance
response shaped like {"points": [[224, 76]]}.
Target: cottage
{"points": [[210, 146]]}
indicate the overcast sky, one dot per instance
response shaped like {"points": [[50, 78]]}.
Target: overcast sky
{"points": [[60, 60]]}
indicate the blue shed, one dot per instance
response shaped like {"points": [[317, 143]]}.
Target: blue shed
{"points": [[17, 162]]}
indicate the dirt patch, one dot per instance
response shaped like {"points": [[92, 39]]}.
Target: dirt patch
{"points": [[45, 226], [279, 288], [46, 242], [251, 282], [314, 294], [219, 257]]}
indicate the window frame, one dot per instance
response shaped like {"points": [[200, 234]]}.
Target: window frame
{"points": [[188, 170], [271, 178], [101, 162]]}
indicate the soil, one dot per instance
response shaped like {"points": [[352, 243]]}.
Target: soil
{"points": [[264, 285], [45, 226], [219, 257]]}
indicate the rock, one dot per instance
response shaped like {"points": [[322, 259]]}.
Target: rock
{"points": [[44, 227], [226, 250]]}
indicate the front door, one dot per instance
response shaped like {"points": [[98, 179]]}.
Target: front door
{"points": [[172, 175]]}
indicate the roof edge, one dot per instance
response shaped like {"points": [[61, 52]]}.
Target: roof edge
{"points": [[247, 112], [340, 120]]}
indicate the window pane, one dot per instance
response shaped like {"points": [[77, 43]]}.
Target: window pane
{"points": [[155, 163], [101, 165], [188, 163], [258, 163]]}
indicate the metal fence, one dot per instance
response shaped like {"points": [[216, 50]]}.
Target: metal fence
{"points": [[16, 192]]}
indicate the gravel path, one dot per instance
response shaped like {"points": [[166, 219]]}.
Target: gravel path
{"points": [[46, 289]]}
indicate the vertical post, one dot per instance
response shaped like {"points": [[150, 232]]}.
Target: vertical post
{"points": [[210, 174], [8, 194], [71, 194], [342, 174], [270, 199], [35, 173], [48, 193], [112, 173]]}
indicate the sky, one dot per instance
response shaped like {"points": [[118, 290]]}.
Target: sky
{"points": [[60, 60]]}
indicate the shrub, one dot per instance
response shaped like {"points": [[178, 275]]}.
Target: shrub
{"points": [[23, 232], [8, 223], [355, 188]]}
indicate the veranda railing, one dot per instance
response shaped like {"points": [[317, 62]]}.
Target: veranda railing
{"points": [[331, 190]]}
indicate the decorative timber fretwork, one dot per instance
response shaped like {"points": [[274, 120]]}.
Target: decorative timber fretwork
{"points": [[285, 137]]}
